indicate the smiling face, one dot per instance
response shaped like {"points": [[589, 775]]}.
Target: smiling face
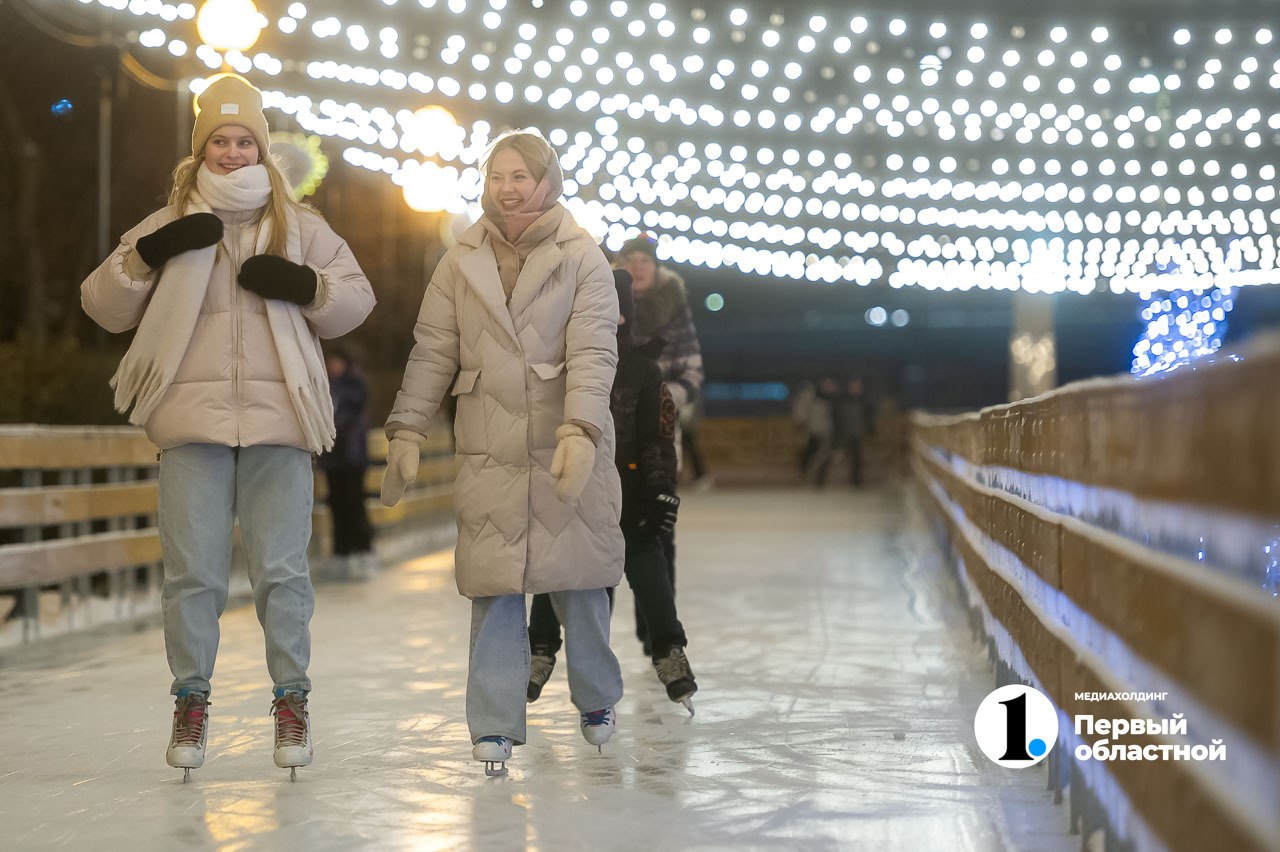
{"points": [[230, 147], [510, 182]]}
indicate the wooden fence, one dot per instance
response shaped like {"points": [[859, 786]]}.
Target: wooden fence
{"points": [[79, 542], [1119, 537]]}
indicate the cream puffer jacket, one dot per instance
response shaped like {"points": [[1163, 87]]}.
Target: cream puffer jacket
{"points": [[523, 370], [229, 388]]}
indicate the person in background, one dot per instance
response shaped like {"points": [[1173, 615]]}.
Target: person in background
{"points": [[345, 466], [851, 423], [811, 412], [662, 312], [690, 422], [645, 419]]}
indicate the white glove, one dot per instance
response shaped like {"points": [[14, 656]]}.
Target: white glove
{"points": [[573, 462], [402, 467]]}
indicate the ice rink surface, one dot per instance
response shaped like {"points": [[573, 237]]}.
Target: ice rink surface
{"points": [[820, 627]]}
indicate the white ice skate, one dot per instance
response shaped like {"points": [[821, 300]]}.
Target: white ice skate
{"points": [[190, 733], [293, 733], [598, 726], [493, 752], [676, 675]]}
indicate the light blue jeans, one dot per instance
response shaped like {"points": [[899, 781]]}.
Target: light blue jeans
{"points": [[203, 488], [499, 664]]}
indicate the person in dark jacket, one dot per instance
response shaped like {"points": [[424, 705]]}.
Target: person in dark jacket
{"points": [[346, 464], [644, 417], [851, 423], [662, 312]]}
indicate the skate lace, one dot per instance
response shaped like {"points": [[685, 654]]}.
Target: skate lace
{"points": [[498, 740], [673, 667], [596, 718], [291, 720], [189, 715]]}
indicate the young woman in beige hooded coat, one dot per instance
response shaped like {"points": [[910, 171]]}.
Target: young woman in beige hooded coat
{"points": [[524, 313]]}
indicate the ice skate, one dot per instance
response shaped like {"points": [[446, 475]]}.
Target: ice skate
{"points": [[190, 732], [677, 677], [598, 726], [541, 664], [293, 732], [493, 752]]}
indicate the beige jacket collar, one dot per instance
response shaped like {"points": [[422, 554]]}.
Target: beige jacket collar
{"points": [[480, 268]]}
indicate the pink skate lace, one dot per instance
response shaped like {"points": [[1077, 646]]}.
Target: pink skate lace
{"points": [[188, 720], [291, 720]]}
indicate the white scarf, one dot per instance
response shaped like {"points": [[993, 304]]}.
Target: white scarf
{"points": [[165, 332]]}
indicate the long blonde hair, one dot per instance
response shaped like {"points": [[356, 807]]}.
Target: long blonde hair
{"points": [[275, 211]]}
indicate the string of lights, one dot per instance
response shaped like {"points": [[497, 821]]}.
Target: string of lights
{"points": [[941, 153]]}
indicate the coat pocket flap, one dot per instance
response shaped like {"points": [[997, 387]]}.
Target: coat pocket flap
{"points": [[546, 372], [466, 381]]}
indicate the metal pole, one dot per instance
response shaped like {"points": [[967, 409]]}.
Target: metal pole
{"points": [[104, 157], [183, 131]]}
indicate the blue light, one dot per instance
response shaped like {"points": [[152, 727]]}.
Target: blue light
{"points": [[747, 391], [62, 108]]}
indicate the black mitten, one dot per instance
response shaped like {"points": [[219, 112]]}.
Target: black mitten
{"points": [[273, 277], [662, 513], [196, 231]]}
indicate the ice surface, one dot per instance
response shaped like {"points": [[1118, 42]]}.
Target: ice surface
{"points": [[838, 682]]}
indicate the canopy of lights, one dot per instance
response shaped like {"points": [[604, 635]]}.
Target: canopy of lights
{"points": [[947, 152]]}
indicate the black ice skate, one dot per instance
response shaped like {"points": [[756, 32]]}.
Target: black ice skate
{"points": [[541, 664], [493, 752], [677, 677], [190, 732]]}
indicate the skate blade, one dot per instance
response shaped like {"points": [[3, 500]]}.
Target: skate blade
{"points": [[293, 773], [495, 768], [688, 705], [186, 774]]}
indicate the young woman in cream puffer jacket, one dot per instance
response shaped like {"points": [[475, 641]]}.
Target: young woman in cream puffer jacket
{"points": [[231, 286]]}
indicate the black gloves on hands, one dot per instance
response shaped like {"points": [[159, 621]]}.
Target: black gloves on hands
{"points": [[662, 513], [196, 231], [273, 277]]}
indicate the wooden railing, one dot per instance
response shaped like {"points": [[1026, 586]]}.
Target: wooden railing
{"points": [[1120, 536], [78, 535]]}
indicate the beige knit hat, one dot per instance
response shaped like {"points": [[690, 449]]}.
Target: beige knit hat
{"points": [[230, 99]]}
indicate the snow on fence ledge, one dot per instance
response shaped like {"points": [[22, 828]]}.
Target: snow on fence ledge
{"points": [[1118, 538], [79, 544]]}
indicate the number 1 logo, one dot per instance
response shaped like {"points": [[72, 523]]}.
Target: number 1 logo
{"points": [[1016, 726]]}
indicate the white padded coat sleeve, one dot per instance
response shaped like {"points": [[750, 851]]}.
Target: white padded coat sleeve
{"points": [[347, 295], [435, 355], [591, 342], [111, 296]]}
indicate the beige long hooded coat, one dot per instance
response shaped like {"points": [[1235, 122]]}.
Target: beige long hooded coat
{"points": [[524, 369]]}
